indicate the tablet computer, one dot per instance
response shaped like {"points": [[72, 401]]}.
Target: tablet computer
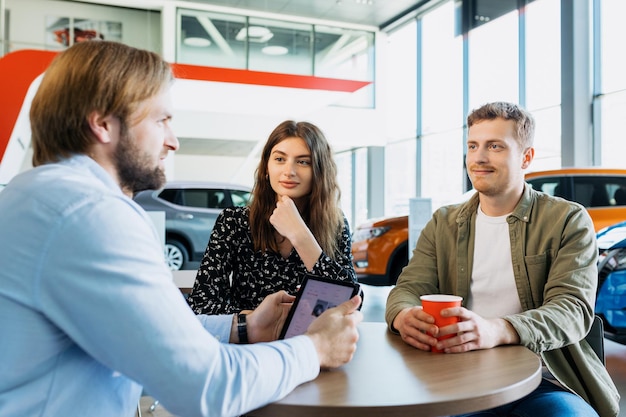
{"points": [[316, 295]]}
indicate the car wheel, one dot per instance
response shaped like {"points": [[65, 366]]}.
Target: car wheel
{"points": [[175, 255]]}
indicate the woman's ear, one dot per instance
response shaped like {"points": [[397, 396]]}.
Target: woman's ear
{"points": [[101, 127]]}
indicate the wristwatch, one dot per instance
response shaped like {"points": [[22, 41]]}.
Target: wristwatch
{"points": [[242, 328]]}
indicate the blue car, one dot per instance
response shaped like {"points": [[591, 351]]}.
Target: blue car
{"points": [[611, 297]]}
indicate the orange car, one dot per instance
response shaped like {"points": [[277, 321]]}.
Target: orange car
{"points": [[601, 190], [380, 247], [380, 250]]}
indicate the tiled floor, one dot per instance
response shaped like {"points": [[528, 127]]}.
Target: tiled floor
{"points": [[373, 310]]}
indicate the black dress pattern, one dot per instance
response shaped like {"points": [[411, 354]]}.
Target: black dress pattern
{"points": [[233, 277]]}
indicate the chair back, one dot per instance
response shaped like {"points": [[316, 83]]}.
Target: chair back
{"points": [[595, 338]]}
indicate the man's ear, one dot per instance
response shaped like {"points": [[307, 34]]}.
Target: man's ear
{"points": [[529, 155], [101, 127]]}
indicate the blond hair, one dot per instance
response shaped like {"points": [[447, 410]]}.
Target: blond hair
{"points": [[109, 78]]}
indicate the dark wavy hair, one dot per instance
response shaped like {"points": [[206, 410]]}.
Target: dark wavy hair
{"points": [[322, 212]]}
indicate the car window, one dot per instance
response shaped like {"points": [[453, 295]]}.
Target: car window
{"points": [[588, 190], [195, 197], [216, 198], [172, 195], [240, 198], [595, 191], [556, 186], [550, 186], [203, 198]]}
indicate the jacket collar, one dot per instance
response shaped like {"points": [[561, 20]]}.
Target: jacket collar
{"points": [[521, 212]]}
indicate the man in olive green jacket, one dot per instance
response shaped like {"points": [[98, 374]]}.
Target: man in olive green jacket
{"points": [[524, 263]]}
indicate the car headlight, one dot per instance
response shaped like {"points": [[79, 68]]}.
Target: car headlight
{"points": [[369, 233]]}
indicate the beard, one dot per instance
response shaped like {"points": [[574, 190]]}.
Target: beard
{"points": [[135, 169]]}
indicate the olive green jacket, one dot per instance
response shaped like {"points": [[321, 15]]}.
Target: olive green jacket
{"points": [[554, 252]]}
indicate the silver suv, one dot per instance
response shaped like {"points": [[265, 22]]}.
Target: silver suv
{"points": [[190, 212]]}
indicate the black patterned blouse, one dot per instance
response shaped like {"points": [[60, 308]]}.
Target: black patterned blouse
{"points": [[255, 275]]}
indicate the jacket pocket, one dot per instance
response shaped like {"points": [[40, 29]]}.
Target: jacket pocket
{"points": [[536, 268]]}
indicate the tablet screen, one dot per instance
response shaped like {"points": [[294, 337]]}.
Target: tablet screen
{"points": [[315, 296]]}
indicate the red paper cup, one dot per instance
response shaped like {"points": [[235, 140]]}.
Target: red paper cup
{"points": [[434, 303]]}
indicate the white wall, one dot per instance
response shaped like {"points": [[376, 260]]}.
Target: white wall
{"points": [[213, 168]]}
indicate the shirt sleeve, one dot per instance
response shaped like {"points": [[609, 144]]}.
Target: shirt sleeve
{"points": [[104, 284], [218, 325], [342, 267]]}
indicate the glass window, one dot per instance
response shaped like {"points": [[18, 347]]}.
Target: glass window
{"points": [[555, 186], [442, 167], [442, 107], [354, 188], [612, 36], [619, 195], [400, 177], [54, 25], [442, 72], [172, 195], [547, 139], [240, 42], [591, 191], [493, 61], [346, 54], [361, 186], [486, 11], [612, 101], [344, 177], [277, 46], [239, 198], [202, 198], [543, 80], [543, 54], [401, 83], [612, 126], [401, 116], [210, 39], [343, 53]]}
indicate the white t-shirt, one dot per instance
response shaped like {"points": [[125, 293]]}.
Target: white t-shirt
{"points": [[493, 292]]}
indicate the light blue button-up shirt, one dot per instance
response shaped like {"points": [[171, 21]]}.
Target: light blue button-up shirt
{"points": [[89, 312]]}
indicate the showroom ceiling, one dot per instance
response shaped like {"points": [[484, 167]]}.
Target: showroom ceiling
{"points": [[377, 13]]}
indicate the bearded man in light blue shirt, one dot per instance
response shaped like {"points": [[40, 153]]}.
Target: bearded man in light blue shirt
{"points": [[88, 309]]}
